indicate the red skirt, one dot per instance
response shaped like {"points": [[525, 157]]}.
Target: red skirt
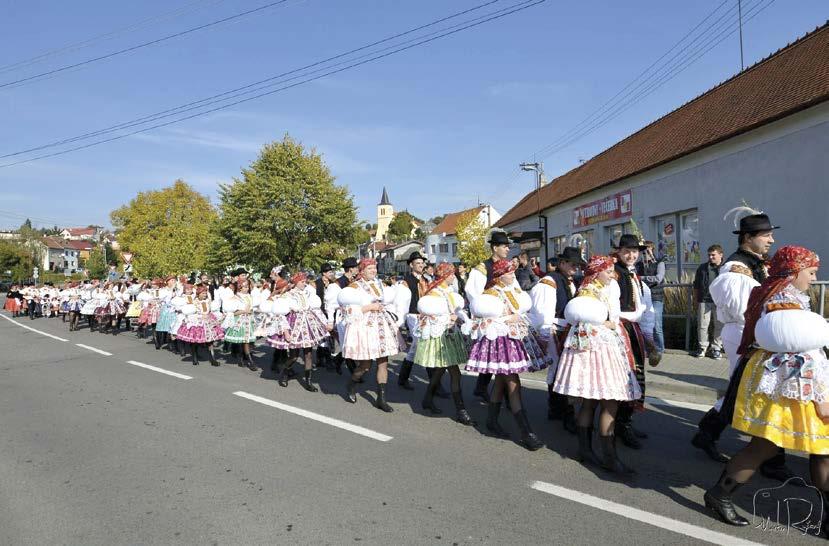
{"points": [[12, 305]]}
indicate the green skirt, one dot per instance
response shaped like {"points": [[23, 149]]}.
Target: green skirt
{"points": [[440, 352]]}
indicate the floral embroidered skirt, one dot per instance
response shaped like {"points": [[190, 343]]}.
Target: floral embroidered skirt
{"points": [[149, 314], [369, 336], [601, 372], [198, 328], [240, 329], [166, 318], [89, 307], [134, 310], [790, 423], [501, 356], [110, 309], [450, 349], [305, 329]]}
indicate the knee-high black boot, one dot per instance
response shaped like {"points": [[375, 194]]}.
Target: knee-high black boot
{"points": [[481, 386], [403, 375], [610, 458], [439, 392], [194, 349], [381, 399], [157, 337], [710, 427], [428, 402], [718, 500], [307, 383], [213, 361], [492, 420], [528, 437], [585, 454], [462, 416], [283, 377], [624, 426]]}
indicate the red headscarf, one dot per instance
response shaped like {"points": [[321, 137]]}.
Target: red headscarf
{"points": [[299, 277], [280, 285], [364, 263], [499, 269], [786, 264], [202, 288], [596, 265], [442, 272]]}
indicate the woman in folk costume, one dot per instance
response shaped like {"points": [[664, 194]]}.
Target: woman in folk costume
{"points": [[440, 344], [779, 393], [498, 333], [306, 330], [274, 325], [239, 321], [167, 314], [13, 300], [186, 298], [110, 308], [200, 325], [371, 329], [88, 292], [74, 304], [150, 306], [594, 366], [136, 305]]}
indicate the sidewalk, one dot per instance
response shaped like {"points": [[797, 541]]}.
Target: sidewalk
{"points": [[681, 377]]}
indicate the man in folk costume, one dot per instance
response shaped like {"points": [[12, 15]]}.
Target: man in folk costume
{"points": [[550, 296], [479, 278], [630, 291], [743, 271], [320, 286], [415, 286], [334, 313]]}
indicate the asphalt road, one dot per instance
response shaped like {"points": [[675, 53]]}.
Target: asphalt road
{"points": [[95, 450]]}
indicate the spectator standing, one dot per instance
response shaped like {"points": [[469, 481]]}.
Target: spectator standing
{"points": [[652, 272], [706, 309], [524, 275]]}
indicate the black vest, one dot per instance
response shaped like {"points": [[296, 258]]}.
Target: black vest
{"points": [[320, 286], [343, 281], [563, 293], [412, 283], [755, 264], [626, 280]]}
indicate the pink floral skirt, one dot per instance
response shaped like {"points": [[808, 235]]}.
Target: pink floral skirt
{"points": [[599, 373], [201, 329]]}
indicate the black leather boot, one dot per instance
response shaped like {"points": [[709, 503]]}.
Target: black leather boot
{"points": [[180, 348], [403, 375], [213, 361], [250, 363], [492, 425], [194, 350], [776, 469], [283, 377], [585, 454], [439, 392], [710, 427], [624, 431], [307, 383], [157, 340], [351, 393], [381, 399], [718, 500], [338, 364], [428, 402], [462, 416], [528, 437], [610, 459], [482, 386]]}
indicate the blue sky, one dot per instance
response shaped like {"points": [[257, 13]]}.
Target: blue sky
{"points": [[440, 126]]}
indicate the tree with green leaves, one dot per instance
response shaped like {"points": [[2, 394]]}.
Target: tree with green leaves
{"points": [[401, 226], [166, 230], [95, 265], [285, 209], [471, 233], [17, 259]]}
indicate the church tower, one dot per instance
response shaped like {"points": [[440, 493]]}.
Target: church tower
{"points": [[385, 213]]}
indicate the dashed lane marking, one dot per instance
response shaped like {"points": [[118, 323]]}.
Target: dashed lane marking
{"points": [[673, 525], [316, 417], [159, 370], [93, 349], [33, 329]]}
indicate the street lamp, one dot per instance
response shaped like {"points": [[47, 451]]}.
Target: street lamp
{"points": [[538, 168]]}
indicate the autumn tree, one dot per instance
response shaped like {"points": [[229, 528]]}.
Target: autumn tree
{"points": [[471, 233], [401, 226], [166, 230], [286, 209]]}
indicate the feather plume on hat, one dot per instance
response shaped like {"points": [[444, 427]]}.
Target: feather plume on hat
{"points": [[741, 212]]}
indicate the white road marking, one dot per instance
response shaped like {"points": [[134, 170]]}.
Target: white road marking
{"points": [[93, 349], [675, 526], [159, 370], [32, 329], [652, 400], [316, 417]]}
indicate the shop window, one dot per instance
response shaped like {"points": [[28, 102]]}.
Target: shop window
{"points": [[558, 244]]}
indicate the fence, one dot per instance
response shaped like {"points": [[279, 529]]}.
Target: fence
{"points": [[680, 306]]}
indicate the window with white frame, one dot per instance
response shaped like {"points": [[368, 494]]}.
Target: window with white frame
{"points": [[677, 243]]}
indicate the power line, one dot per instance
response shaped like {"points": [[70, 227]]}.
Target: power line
{"points": [[75, 46], [520, 6], [145, 44], [258, 85]]}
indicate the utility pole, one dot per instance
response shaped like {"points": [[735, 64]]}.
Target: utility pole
{"points": [[740, 19]]}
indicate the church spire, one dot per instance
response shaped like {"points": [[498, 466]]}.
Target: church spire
{"points": [[385, 199]]}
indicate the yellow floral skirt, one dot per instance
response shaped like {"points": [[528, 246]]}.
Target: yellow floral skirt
{"points": [[788, 423]]}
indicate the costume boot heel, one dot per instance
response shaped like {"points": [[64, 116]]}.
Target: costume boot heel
{"points": [[428, 402], [307, 383], [610, 459], [718, 500], [528, 438], [462, 416], [351, 391], [157, 340], [492, 425], [283, 376], [585, 454], [381, 399], [250, 363], [194, 350], [213, 361]]}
